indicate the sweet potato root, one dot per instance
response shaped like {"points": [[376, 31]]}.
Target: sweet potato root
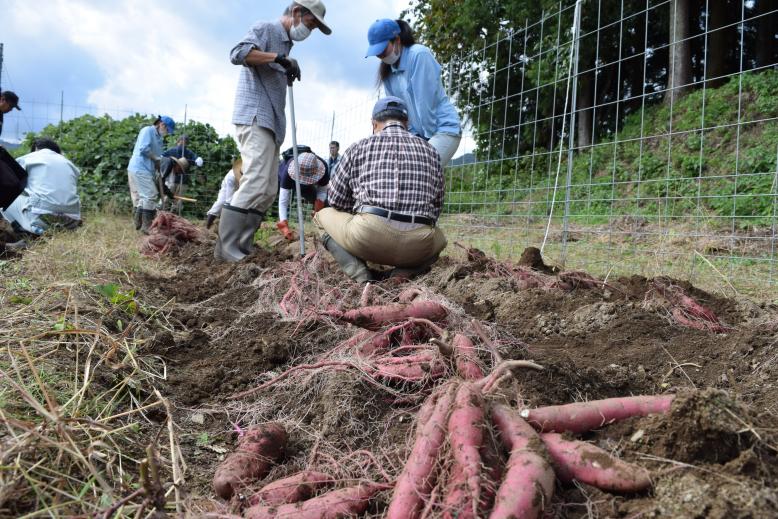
{"points": [[375, 317], [346, 502], [585, 416], [293, 489], [418, 477], [257, 451], [587, 463], [413, 368], [528, 485], [466, 358], [465, 427]]}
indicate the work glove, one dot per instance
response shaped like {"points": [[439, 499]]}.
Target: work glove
{"points": [[209, 220], [283, 227], [199, 162], [291, 67], [318, 205]]}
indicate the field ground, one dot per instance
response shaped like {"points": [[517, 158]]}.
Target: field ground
{"points": [[118, 369]]}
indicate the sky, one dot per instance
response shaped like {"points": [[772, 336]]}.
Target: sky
{"points": [[125, 56]]}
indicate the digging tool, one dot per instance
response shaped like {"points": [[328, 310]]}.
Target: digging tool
{"points": [[184, 198], [298, 194]]}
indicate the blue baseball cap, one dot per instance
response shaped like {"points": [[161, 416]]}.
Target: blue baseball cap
{"points": [[169, 123], [391, 104], [380, 34]]}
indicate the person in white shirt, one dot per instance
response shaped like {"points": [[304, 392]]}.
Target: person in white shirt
{"points": [[314, 178], [230, 184], [50, 200]]}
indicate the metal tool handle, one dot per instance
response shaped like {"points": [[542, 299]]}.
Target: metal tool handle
{"points": [[300, 221]]}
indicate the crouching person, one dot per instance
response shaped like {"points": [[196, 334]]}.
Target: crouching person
{"points": [[230, 184], [50, 200], [385, 198], [313, 177]]}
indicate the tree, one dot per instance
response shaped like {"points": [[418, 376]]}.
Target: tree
{"points": [[680, 65]]}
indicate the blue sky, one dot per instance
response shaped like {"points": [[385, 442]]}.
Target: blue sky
{"points": [[126, 56]]}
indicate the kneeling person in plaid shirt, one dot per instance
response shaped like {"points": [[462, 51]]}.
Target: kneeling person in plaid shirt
{"points": [[385, 199]]}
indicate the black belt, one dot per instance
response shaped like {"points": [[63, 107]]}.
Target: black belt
{"points": [[397, 217]]}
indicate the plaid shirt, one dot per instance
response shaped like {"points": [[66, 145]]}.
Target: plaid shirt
{"points": [[261, 94], [392, 170]]}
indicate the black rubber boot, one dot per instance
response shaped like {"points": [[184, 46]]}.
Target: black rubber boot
{"points": [[354, 267], [136, 218], [147, 216], [253, 221], [232, 225]]}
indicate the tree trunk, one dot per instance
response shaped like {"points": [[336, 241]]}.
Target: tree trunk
{"points": [[765, 33], [680, 67], [585, 103], [719, 42]]}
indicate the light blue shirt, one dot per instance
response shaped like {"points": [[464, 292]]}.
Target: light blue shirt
{"points": [[416, 80], [52, 184], [147, 146]]}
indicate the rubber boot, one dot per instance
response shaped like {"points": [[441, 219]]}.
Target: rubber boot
{"points": [[147, 216], [354, 267], [136, 218], [232, 225], [253, 221]]}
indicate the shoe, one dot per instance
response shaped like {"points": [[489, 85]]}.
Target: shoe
{"points": [[147, 216], [233, 225], [354, 267], [136, 218]]}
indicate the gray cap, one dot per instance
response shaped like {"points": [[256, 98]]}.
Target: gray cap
{"points": [[391, 104]]}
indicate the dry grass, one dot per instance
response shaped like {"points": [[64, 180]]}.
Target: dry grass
{"points": [[80, 426]]}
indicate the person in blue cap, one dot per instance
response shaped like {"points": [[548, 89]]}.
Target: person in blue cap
{"points": [[141, 170], [409, 71]]}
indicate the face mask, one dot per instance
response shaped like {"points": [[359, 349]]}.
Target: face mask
{"points": [[299, 32], [391, 58]]}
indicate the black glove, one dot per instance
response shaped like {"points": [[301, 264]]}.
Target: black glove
{"points": [[209, 220], [291, 67]]}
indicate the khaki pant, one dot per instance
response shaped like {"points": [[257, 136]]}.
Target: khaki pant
{"points": [[372, 238], [133, 189], [259, 184]]}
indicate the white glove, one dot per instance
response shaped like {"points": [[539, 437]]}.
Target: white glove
{"points": [[199, 162]]}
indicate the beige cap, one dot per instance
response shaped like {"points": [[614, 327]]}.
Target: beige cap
{"points": [[317, 9]]}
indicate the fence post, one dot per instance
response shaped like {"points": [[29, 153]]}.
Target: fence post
{"points": [[572, 129]]}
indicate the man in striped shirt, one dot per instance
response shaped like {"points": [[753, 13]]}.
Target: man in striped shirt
{"points": [[385, 199]]}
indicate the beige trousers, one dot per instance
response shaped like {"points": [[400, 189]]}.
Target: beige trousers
{"points": [[133, 189], [259, 184], [372, 238]]}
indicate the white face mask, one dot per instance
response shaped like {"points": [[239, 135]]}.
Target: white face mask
{"points": [[392, 57], [299, 32]]}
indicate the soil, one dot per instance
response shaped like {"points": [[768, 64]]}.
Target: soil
{"points": [[714, 455]]}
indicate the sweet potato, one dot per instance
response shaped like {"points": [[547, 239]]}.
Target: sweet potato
{"points": [[346, 502], [465, 426], [528, 485], [585, 416], [375, 317], [257, 451], [413, 368], [293, 489], [587, 463], [418, 476], [466, 358]]}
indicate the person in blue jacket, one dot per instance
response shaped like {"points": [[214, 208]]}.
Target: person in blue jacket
{"points": [[142, 168], [409, 71]]}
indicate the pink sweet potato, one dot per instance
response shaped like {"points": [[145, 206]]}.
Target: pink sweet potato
{"points": [[293, 489], [257, 450], [465, 427], [585, 416], [418, 476], [587, 463], [528, 485], [466, 358], [375, 317], [413, 368], [346, 502]]}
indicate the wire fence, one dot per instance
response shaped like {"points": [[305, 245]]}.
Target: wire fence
{"points": [[620, 136]]}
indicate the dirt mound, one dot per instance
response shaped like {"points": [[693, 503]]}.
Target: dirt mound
{"points": [[710, 455]]}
